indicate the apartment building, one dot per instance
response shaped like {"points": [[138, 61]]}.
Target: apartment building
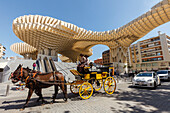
{"points": [[150, 54], [106, 57], [99, 61], [2, 50]]}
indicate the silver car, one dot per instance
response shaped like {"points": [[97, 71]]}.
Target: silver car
{"points": [[146, 79], [164, 74]]}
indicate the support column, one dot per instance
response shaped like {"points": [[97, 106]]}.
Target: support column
{"points": [[134, 49], [46, 51], [53, 52], [111, 56], [119, 54], [131, 60]]}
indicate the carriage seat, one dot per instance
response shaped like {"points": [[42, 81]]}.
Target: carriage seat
{"points": [[76, 73]]}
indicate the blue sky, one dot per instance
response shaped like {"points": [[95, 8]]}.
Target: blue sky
{"points": [[95, 15]]}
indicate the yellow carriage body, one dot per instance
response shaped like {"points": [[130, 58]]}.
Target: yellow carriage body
{"points": [[90, 75], [85, 83]]}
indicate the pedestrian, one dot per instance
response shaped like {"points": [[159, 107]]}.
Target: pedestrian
{"points": [[34, 65]]}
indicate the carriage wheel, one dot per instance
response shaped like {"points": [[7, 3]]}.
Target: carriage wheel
{"points": [[110, 85], [74, 87], [97, 85], [86, 90]]}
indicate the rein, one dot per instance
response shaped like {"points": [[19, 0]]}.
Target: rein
{"points": [[26, 80], [21, 74], [55, 82]]}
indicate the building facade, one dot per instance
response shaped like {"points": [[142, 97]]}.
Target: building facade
{"points": [[150, 54], [99, 61], [2, 51], [106, 57]]}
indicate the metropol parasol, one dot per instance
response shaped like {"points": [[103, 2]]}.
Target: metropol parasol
{"points": [[48, 36]]}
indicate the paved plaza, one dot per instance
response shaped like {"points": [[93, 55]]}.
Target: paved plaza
{"points": [[125, 99]]}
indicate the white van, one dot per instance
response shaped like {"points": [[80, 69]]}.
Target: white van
{"points": [[164, 74]]}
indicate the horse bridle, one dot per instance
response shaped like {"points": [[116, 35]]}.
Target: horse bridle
{"points": [[20, 74]]}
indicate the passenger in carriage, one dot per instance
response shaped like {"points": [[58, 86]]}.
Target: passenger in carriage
{"points": [[81, 65], [86, 70], [86, 61]]}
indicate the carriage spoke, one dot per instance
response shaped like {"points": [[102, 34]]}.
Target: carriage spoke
{"points": [[86, 90], [109, 85]]}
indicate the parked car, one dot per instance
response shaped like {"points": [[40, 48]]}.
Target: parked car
{"points": [[146, 79], [164, 74]]}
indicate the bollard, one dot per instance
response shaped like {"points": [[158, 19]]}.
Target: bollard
{"points": [[7, 90]]}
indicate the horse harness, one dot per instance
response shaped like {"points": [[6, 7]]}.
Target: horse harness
{"points": [[31, 76]]}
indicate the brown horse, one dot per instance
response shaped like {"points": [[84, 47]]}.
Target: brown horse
{"points": [[37, 81]]}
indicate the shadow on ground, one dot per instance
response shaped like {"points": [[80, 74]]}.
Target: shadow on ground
{"points": [[147, 99], [158, 99], [18, 104]]}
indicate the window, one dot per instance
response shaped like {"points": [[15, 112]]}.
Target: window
{"points": [[144, 75], [159, 53], [154, 64], [150, 45], [163, 64], [157, 43], [137, 65], [160, 59], [148, 65], [142, 65], [162, 72]]}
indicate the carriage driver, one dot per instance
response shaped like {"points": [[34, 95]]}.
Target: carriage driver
{"points": [[81, 65]]}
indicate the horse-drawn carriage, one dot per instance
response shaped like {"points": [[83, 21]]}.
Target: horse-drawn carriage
{"points": [[83, 85]]}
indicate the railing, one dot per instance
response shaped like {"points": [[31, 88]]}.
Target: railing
{"points": [[61, 69], [150, 51], [152, 60], [150, 56], [155, 45], [67, 66], [144, 43]]}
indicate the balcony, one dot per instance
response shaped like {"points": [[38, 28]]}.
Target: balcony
{"points": [[142, 49], [151, 50], [151, 59], [148, 56], [149, 42], [152, 45]]}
